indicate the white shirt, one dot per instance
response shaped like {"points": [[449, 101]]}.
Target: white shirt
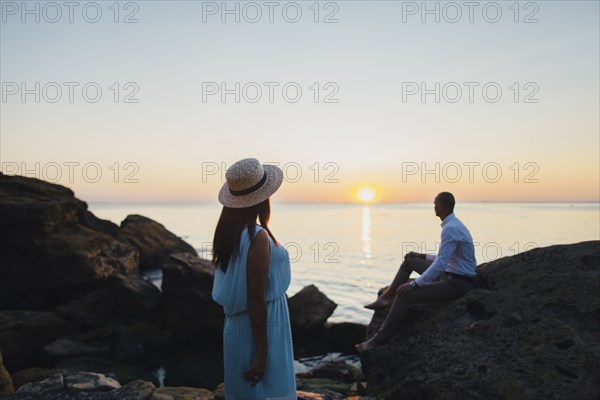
{"points": [[457, 253]]}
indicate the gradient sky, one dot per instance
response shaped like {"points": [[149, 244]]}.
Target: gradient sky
{"points": [[173, 139]]}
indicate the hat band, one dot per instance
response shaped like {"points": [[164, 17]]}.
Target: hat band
{"points": [[250, 189]]}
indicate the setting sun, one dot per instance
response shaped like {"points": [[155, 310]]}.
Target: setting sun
{"points": [[366, 194]]}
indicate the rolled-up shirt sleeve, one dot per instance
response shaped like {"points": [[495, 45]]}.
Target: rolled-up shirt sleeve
{"points": [[447, 249]]}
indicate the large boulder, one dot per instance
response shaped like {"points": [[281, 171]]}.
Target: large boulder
{"points": [[25, 333], [33, 206], [529, 329], [52, 249], [310, 308], [187, 295], [122, 299], [153, 241]]}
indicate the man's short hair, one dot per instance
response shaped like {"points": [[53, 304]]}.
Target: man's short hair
{"points": [[447, 199]]}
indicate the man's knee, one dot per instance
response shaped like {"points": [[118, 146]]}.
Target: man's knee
{"points": [[408, 264]]}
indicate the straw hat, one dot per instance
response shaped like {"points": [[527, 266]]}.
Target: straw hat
{"points": [[249, 183]]}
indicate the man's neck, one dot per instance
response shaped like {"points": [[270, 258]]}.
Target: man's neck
{"points": [[443, 216]]}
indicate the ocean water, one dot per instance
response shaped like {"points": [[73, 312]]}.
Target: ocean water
{"points": [[349, 251]]}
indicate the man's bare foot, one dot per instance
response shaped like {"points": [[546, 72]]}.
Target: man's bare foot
{"points": [[378, 304], [365, 346]]}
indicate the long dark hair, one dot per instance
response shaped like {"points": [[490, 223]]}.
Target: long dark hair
{"points": [[226, 242]]}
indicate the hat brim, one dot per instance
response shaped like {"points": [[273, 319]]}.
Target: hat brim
{"points": [[274, 180]]}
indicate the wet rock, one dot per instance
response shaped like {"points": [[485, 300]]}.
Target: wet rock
{"points": [[336, 369], [90, 382], [29, 375], [47, 388]]}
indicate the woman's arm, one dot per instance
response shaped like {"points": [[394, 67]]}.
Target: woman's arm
{"points": [[257, 276]]}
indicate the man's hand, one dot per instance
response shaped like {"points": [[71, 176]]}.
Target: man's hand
{"points": [[404, 288]]}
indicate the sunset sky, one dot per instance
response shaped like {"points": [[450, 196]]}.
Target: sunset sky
{"points": [[516, 116]]}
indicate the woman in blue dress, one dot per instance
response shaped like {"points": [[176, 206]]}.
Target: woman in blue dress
{"points": [[251, 277]]}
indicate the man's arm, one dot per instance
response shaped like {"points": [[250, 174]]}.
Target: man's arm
{"points": [[447, 248]]}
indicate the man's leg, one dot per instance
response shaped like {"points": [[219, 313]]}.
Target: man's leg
{"points": [[441, 290], [437, 291], [409, 265]]}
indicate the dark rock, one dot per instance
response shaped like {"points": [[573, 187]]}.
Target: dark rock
{"points": [[25, 333], [220, 392], [52, 250], [318, 392], [530, 329], [111, 342], [65, 348], [35, 374], [153, 241], [182, 393], [57, 269], [182, 370], [121, 300], [187, 295], [123, 373], [6, 382], [310, 308], [148, 335], [336, 369], [43, 389], [135, 390], [82, 386], [342, 337]]}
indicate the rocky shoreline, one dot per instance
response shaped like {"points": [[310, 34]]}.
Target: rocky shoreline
{"points": [[73, 299], [79, 321]]}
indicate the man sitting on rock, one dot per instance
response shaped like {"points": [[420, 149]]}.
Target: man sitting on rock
{"points": [[446, 276]]}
